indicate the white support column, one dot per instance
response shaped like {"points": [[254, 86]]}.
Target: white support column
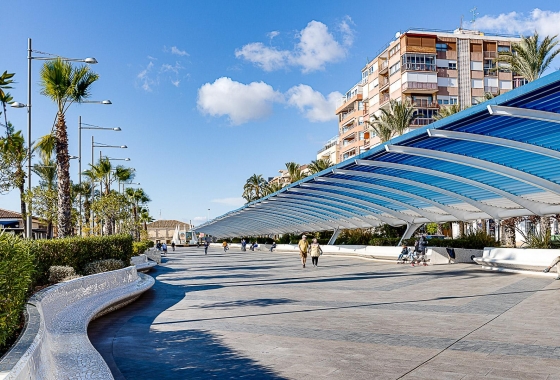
{"points": [[410, 229], [334, 236]]}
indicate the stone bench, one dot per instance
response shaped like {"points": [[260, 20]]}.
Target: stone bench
{"points": [[142, 263], [154, 255], [518, 260], [54, 344]]}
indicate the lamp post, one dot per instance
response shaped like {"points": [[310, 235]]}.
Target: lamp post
{"points": [[129, 183], [30, 58], [99, 145], [88, 126]]}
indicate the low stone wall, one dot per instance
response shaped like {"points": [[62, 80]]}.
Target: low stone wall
{"points": [[438, 255], [519, 260], [54, 344], [154, 254], [142, 263]]}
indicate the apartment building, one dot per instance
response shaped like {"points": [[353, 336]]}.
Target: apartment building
{"points": [[430, 69], [329, 150]]}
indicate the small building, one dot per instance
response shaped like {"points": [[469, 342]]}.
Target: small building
{"points": [[11, 221], [163, 230]]}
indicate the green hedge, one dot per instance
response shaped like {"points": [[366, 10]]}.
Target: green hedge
{"points": [[139, 247], [16, 276], [77, 252]]}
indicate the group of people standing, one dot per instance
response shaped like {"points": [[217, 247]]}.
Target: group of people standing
{"points": [[162, 247], [417, 255]]}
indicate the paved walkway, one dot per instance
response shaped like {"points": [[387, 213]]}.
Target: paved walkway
{"points": [[261, 316]]}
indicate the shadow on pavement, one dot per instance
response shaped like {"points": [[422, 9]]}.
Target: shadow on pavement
{"points": [[133, 349]]}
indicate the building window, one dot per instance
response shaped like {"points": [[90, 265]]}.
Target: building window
{"points": [[419, 62], [361, 136], [362, 149], [360, 105], [452, 66], [360, 120], [453, 100], [441, 47], [394, 50], [503, 48], [395, 68]]}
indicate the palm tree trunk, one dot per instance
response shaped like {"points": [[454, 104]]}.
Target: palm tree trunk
{"points": [[63, 172], [23, 208]]}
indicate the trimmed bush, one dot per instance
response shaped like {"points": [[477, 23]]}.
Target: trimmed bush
{"points": [[101, 266], [59, 273], [139, 247], [150, 243], [16, 276], [78, 252]]}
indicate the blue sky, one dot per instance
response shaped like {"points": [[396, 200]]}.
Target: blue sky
{"points": [[208, 93]]}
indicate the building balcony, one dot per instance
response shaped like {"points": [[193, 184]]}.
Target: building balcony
{"points": [[490, 72], [383, 83], [490, 54], [346, 103], [449, 54], [492, 90], [423, 103], [422, 121], [383, 66], [384, 98], [418, 67], [409, 87]]}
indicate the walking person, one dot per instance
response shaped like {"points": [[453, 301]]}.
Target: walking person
{"points": [[164, 247], [316, 251], [206, 247], [173, 246], [158, 246], [556, 262], [422, 245], [224, 244], [303, 249], [273, 246], [243, 245]]}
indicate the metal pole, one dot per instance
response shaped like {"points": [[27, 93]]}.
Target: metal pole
{"points": [[29, 203], [80, 171], [92, 189]]}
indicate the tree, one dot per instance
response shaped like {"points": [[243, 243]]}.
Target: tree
{"points": [[254, 188], [319, 165], [145, 218], [5, 97], [45, 196], [529, 58], [111, 207], [64, 84], [447, 111], [137, 198], [380, 126], [294, 171], [272, 187], [402, 114], [12, 148]]}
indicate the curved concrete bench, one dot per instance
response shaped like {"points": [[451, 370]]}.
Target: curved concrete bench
{"points": [[154, 254], [54, 344], [142, 263], [518, 260]]}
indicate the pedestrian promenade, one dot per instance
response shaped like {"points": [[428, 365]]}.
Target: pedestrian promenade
{"points": [[257, 315]]}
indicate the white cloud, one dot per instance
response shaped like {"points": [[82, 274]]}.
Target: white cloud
{"points": [[544, 22], [175, 82], [199, 220], [236, 201], [267, 58], [146, 81], [273, 34], [316, 47], [240, 102], [175, 50], [313, 104], [173, 68]]}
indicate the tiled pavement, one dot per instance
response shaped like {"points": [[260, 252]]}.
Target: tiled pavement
{"points": [[261, 316]]}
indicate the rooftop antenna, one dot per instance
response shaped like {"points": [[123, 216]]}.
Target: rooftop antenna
{"points": [[461, 25], [474, 14]]}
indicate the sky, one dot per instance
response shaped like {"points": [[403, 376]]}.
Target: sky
{"points": [[208, 93]]}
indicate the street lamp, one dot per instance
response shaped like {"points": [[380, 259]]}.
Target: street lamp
{"points": [[30, 58], [87, 126]]}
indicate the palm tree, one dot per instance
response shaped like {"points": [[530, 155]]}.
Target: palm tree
{"points": [[380, 126], [145, 217], [137, 197], [319, 165], [254, 187], [46, 170], [12, 147], [272, 187], [5, 97], [529, 58], [294, 171], [402, 114], [64, 84], [447, 111]]}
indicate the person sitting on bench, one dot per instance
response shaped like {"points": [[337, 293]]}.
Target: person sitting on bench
{"points": [[404, 255]]}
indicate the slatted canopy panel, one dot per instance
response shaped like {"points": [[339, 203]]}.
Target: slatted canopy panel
{"points": [[495, 160]]}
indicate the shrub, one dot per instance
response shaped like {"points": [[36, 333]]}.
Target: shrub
{"points": [[150, 243], [139, 247], [77, 252], [16, 276], [59, 273], [101, 266]]}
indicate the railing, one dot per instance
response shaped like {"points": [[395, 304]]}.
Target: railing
{"points": [[491, 72], [422, 121], [347, 114], [490, 54], [346, 129], [424, 103], [384, 64], [384, 98], [492, 90], [418, 67], [382, 82], [327, 146], [419, 86]]}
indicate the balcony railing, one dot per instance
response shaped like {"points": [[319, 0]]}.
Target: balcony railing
{"points": [[384, 98], [419, 86], [347, 114], [383, 82], [490, 54], [424, 103], [491, 72], [422, 121], [418, 67], [492, 90]]}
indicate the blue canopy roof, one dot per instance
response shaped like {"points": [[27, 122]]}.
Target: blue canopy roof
{"points": [[497, 160]]}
